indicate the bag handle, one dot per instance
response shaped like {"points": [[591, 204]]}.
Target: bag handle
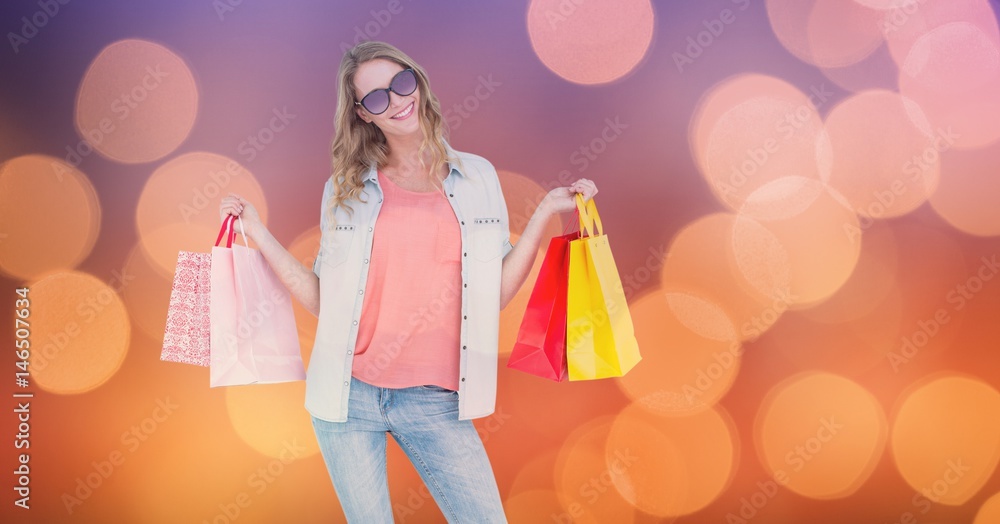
{"points": [[227, 226], [590, 220]]}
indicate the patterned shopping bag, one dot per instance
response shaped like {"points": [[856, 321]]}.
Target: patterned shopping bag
{"points": [[186, 338]]}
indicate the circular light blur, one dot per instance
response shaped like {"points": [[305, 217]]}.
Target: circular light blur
{"points": [[50, 216], [590, 42], [766, 131], [671, 466], [682, 371], [179, 205], [80, 332], [953, 73], [882, 163], [700, 262], [804, 254], [825, 33], [989, 512], [946, 437], [137, 102], [269, 417], [966, 197], [820, 435]]}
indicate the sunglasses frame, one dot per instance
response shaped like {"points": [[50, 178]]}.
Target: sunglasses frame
{"points": [[416, 84]]}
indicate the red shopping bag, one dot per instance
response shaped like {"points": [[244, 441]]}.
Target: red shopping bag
{"points": [[186, 338], [253, 333], [541, 340]]}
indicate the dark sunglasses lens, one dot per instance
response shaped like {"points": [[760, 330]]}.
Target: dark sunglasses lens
{"points": [[404, 83], [376, 102]]}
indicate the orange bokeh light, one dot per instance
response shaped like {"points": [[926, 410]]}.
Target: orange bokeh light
{"points": [[967, 194], [585, 482], [946, 437], [754, 129], [590, 42], [270, 416], [803, 244], [825, 33], [49, 214], [820, 435], [179, 205], [137, 102], [80, 330], [989, 512], [882, 162], [701, 263], [905, 24], [953, 73], [683, 370], [147, 293]]}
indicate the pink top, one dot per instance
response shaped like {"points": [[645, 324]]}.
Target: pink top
{"points": [[408, 334]]}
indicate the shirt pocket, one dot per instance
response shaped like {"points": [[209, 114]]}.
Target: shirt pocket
{"points": [[487, 238], [336, 245]]}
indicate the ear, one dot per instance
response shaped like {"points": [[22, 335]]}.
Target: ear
{"points": [[362, 114]]}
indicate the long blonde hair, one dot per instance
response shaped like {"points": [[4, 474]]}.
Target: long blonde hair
{"points": [[357, 144]]}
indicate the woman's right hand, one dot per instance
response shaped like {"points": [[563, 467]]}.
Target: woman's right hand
{"points": [[233, 204]]}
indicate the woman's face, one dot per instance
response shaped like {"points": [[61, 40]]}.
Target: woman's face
{"points": [[401, 118]]}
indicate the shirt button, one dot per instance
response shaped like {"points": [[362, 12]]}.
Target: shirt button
{"points": [[347, 383], [465, 254], [349, 352], [451, 194], [463, 379], [465, 285], [380, 200], [369, 229], [463, 347], [463, 222], [366, 261], [466, 317], [361, 292], [355, 322]]}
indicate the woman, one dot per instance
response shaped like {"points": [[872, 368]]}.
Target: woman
{"points": [[408, 310]]}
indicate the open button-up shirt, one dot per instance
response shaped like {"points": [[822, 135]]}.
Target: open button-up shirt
{"points": [[473, 190]]}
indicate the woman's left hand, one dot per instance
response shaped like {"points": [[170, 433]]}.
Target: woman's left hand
{"points": [[563, 199]]}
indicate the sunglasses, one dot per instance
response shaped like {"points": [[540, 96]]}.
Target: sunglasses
{"points": [[377, 101]]}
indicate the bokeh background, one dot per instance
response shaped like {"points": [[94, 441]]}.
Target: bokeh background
{"points": [[801, 196]]}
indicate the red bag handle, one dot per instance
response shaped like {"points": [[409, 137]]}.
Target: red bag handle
{"points": [[227, 224]]}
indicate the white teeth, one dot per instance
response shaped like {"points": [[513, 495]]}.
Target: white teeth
{"points": [[405, 112]]}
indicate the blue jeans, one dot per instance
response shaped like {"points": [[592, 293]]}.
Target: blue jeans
{"points": [[447, 453]]}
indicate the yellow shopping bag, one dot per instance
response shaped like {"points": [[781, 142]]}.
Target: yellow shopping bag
{"points": [[600, 340]]}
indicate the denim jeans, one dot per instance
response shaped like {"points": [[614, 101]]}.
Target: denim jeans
{"points": [[447, 453]]}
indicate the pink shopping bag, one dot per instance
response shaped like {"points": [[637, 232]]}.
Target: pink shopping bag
{"points": [[187, 333], [253, 335]]}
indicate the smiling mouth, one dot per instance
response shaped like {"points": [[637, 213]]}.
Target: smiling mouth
{"points": [[404, 113]]}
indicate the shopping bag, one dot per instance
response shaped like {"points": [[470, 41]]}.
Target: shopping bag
{"points": [[187, 333], [600, 339], [253, 335], [541, 340]]}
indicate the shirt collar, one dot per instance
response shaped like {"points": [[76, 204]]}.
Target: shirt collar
{"points": [[372, 173]]}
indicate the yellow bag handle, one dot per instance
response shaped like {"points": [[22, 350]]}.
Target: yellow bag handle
{"points": [[590, 220]]}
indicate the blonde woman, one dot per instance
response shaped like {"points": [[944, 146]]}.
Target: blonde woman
{"points": [[415, 263]]}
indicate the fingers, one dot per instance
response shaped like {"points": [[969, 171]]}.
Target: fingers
{"points": [[232, 204], [584, 186]]}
